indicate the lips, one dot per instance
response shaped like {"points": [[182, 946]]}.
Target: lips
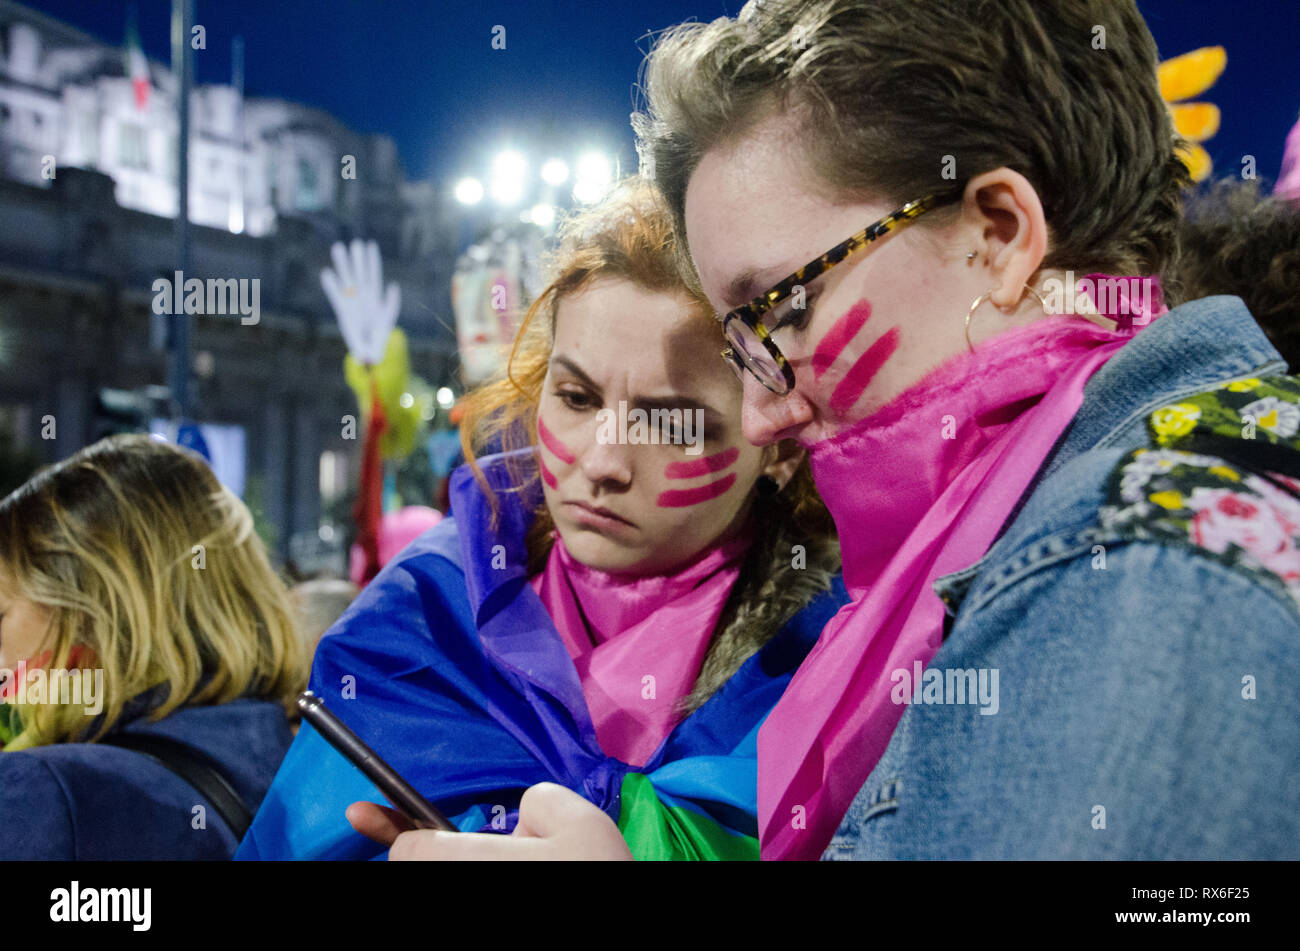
{"points": [[599, 512]]}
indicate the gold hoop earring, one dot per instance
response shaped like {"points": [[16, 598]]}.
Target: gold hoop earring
{"points": [[983, 297]]}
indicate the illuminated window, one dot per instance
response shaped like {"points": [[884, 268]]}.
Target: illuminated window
{"points": [[333, 475], [88, 126], [308, 186], [131, 151]]}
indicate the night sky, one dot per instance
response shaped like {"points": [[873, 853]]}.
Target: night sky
{"points": [[424, 72]]}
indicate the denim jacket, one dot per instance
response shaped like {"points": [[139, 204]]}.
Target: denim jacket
{"points": [[1135, 695]]}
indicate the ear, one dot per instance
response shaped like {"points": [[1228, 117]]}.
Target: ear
{"points": [[785, 458], [1009, 217]]}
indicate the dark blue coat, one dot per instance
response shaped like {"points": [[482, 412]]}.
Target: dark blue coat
{"points": [[87, 801]]}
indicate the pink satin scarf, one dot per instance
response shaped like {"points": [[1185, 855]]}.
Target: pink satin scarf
{"points": [[918, 490], [638, 641]]}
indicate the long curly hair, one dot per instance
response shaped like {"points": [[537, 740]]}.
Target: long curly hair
{"points": [[630, 235]]}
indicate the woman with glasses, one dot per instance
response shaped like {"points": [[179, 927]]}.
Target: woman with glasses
{"points": [[622, 592], [1069, 516]]}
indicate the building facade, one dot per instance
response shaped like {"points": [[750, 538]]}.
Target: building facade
{"points": [[88, 194]]}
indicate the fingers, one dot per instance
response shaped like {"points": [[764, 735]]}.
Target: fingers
{"points": [[393, 301], [342, 266], [330, 284], [378, 823], [426, 845], [554, 824], [374, 269], [355, 290], [360, 264], [547, 809], [343, 310]]}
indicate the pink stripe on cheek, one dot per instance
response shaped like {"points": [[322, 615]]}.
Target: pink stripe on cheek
{"points": [[550, 442], [547, 475], [677, 498], [699, 467], [844, 330], [856, 380]]}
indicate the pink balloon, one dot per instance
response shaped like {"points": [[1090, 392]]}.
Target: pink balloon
{"points": [[1288, 180], [396, 531]]}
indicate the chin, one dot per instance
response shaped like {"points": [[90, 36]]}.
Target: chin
{"points": [[596, 551]]}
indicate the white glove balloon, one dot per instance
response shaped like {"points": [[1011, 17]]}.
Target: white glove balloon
{"points": [[355, 288]]}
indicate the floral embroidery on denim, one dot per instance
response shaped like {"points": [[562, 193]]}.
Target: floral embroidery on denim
{"points": [[1266, 408], [1242, 520]]}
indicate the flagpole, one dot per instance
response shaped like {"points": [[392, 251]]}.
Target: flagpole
{"points": [[183, 66], [237, 80]]}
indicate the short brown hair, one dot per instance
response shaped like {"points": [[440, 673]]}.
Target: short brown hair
{"points": [[1062, 91]]}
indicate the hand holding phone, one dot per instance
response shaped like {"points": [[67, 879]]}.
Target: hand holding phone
{"points": [[397, 790]]}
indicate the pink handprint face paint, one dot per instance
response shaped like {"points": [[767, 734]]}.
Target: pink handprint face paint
{"points": [[547, 475], [678, 498], [839, 336], [549, 440], [699, 467], [557, 448], [859, 376]]}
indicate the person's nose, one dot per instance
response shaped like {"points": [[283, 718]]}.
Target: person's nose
{"points": [[606, 463], [767, 418]]}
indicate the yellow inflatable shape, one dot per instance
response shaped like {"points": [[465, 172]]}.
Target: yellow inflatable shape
{"points": [[1192, 73], [1195, 121], [391, 377]]}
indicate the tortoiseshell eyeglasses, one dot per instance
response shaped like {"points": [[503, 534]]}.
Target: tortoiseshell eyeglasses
{"points": [[749, 328]]}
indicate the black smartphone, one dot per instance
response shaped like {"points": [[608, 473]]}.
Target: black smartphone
{"points": [[399, 792]]}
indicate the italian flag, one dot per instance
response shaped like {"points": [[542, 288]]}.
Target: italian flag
{"points": [[137, 67]]}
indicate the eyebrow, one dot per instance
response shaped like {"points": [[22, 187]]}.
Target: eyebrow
{"points": [[644, 402], [576, 370], [674, 403], [751, 282]]}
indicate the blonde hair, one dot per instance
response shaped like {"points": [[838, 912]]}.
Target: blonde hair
{"points": [[155, 575]]}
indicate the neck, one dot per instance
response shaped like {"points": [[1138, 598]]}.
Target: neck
{"points": [[882, 475]]}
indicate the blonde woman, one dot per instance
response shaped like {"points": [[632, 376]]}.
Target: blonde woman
{"points": [[149, 658]]}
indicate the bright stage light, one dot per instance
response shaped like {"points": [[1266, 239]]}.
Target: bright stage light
{"points": [[469, 191], [594, 177], [507, 183], [555, 172]]}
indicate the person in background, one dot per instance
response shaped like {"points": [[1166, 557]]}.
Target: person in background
{"points": [[142, 631], [317, 604], [604, 620], [1236, 241]]}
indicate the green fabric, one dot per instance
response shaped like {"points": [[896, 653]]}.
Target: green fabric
{"points": [[655, 832], [1263, 408]]}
